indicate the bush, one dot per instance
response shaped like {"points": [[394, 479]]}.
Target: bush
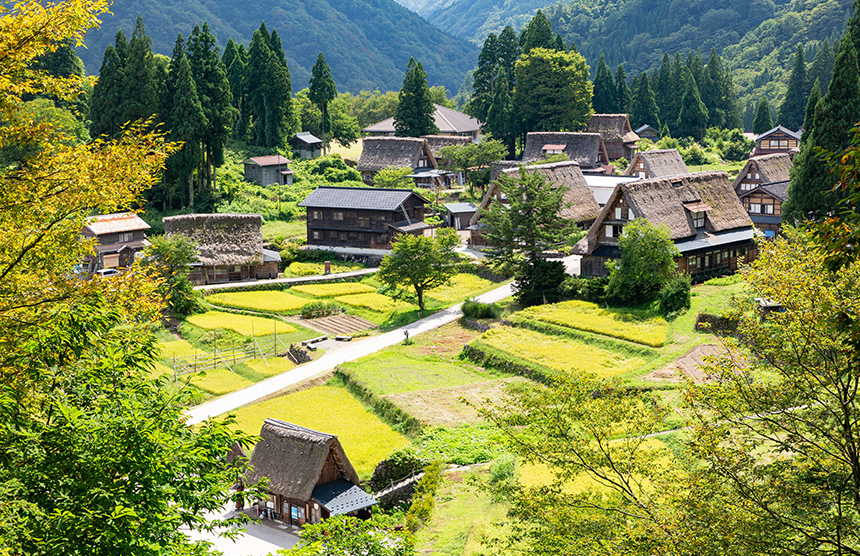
{"points": [[539, 282], [477, 310], [592, 290], [674, 296], [318, 309], [400, 464], [694, 155], [502, 469], [424, 497]]}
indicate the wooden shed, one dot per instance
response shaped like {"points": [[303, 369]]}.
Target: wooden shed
{"points": [[309, 476], [268, 170], [120, 236]]}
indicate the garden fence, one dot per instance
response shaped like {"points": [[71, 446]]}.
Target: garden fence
{"points": [[202, 361]]}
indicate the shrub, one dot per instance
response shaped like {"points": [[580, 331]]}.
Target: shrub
{"points": [[424, 498], [539, 282], [400, 464], [502, 469], [694, 155], [674, 296], [318, 309], [592, 290], [477, 310], [725, 280]]}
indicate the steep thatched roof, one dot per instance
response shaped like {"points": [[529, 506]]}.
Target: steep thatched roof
{"points": [[659, 163], [586, 149], [670, 200], [770, 168], [436, 142], [612, 127], [293, 457], [221, 239], [448, 120], [583, 207], [400, 152]]}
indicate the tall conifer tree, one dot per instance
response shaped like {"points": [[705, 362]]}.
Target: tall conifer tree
{"points": [[322, 91], [644, 109], [414, 114], [604, 100], [623, 96], [822, 66], [104, 114], [501, 119], [763, 120], [508, 52], [538, 34], [235, 59], [139, 99], [663, 89], [484, 78], [693, 117], [793, 107], [811, 103]]}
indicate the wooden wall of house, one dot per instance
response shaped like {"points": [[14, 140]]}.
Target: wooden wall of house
{"points": [[266, 270], [593, 266], [762, 203], [358, 228], [619, 214], [776, 142], [117, 237], [200, 276]]}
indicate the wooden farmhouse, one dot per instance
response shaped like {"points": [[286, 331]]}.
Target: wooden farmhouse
{"points": [[764, 205], [447, 120], [705, 218], [656, 164], [349, 219], [776, 140], [306, 144], [761, 170], [619, 138], [309, 476], [119, 236], [585, 149], [268, 170], [401, 152], [459, 215], [581, 207], [229, 247], [647, 132]]}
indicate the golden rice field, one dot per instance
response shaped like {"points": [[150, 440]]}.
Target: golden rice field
{"points": [[365, 438], [589, 317], [176, 348], [374, 302], [333, 290], [316, 269], [276, 365], [558, 353], [461, 286], [218, 381], [272, 301], [245, 325]]}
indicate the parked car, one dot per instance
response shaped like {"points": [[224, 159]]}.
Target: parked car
{"points": [[105, 272]]}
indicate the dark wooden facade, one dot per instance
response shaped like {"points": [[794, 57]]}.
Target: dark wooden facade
{"points": [[764, 205], [268, 170], [776, 140], [120, 237]]}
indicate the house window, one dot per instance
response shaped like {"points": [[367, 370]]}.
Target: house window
{"points": [[693, 262], [699, 219], [767, 209], [338, 216], [630, 215], [422, 163], [363, 222], [609, 230], [747, 186], [332, 235], [316, 235], [707, 261], [618, 213], [125, 237], [316, 215], [717, 258], [755, 208]]}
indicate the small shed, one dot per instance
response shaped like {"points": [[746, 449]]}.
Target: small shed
{"points": [[647, 132], [306, 144], [309, 476], [459, 214], [269, 170]]}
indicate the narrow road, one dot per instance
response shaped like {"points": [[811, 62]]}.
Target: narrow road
{"points": [[330, 360], [293, 281]]}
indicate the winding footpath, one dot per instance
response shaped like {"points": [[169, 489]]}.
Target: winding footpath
{"points": [[331, 359]]}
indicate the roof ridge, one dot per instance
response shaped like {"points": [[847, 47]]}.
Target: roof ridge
{"points": [[293, 426]]}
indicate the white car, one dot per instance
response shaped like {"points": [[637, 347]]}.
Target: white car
{"points": [[105, 272]]}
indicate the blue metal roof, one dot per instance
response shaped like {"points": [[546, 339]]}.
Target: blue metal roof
{"points": [[461, 207], [341, 497], [709, 241]]}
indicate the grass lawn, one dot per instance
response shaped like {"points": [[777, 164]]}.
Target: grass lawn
{"points": [[352, 152], [462, 515], [616, 323], [245, 325], [731, 168], [272, 301], [365, 438], [333, 290], [279, 228], [462, 286], [558, 353]]}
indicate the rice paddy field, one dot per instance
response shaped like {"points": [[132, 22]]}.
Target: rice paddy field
{"points": [[461, 286], [218, 381], [245, 325], [315, 269], [272, 301], [333, 290], [365, 438], [375, 302]]}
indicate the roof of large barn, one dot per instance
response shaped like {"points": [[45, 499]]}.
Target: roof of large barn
{"points": [[398, 152], [221, 239]]}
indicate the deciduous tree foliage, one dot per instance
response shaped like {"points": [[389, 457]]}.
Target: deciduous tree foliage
{"points": [[461, 158], [553, 92], [349, 536], [420, 263], [94, 457], [414, 114], [647, 261]]}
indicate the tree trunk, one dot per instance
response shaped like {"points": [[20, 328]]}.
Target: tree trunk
{"points": [[420, 293], [191, 190], [323, 127]]}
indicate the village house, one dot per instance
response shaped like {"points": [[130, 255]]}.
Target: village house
{"points": [[120, 236], [309, 476], [229, 247], [656, 164], [437, 142], [705, 218], [776, 140], [618, 136], [306, 145], [268, 170], [764, 205], [647, 132], [761, 170], [354, 219], [458, 215], [585, 149], [447, 120], [401, 152], [581, 206]]}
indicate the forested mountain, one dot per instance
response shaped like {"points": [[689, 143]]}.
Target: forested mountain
{"points": [[367, 43]]}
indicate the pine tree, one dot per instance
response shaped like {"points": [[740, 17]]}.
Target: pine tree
{"points": [[693, 117], [322, 91], [104, 113], [277, 48], [604, 100], [508, 52], [644, 109], [623, 96], [139, 97], [236, 63], [414, 114], [822, 66], [538, 34], [678, 83], [810, 193], [793, 108], [501, 121], [269, 91], [763, 120], [484, 78], [811, 103], [663, 90], [559, 43]]}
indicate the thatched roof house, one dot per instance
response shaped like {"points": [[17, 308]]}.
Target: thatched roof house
{"points": [[704, 217], [618, 136], [582, 207], [436, 142], [310, 477], [447, 120], [656, 164], [585, 149], [399, 152], [225, 242], [763, 169]]}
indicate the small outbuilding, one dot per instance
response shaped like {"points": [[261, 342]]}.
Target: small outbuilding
{"points": [[269, 170], [647, 132], [459, 214], [306, 144], [309, 476], [620, 139], [229, 247]]}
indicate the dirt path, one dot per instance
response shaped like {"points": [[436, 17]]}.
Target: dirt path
{"points": [[689, 365]]}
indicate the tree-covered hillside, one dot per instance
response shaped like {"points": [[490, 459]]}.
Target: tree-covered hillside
{"points": [[367, 43]]}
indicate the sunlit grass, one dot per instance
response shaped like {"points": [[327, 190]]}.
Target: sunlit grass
{"points": [[333, 290]]}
